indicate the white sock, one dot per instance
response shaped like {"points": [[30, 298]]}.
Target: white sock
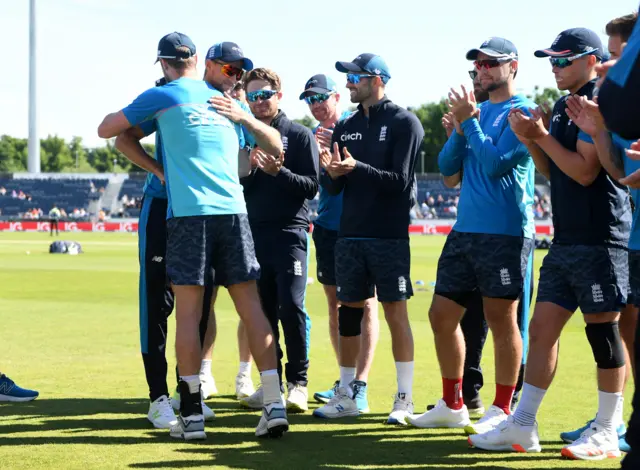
{"points": [[205, 367], [619, 419], [347, 375], [528, 405], [608, 404], [404, 374], [245, 369], [270, 386], [193, 381]]}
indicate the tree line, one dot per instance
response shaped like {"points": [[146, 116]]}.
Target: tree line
{"points": [[60, 156]]}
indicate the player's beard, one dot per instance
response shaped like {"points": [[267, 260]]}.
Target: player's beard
{"points": [[496, 86], [361, 94]]}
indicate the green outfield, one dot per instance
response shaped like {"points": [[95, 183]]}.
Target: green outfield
{"points": [[69, 328]]}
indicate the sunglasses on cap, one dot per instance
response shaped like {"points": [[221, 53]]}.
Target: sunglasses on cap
{"points": [[231, 71], [317, 98], [473, 74], [263, 95], [563, 62], [491, 63], [354, 78]]}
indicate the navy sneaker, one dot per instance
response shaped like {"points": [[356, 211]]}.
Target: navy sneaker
{"points": [[9, 391], [360, 395], [623, 444], [324, 397], [571, 436]]}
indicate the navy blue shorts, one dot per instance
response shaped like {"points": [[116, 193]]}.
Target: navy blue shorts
{"points": [[634, 277], [594, 278], [217, 244], [494, 264], [364, 266], [325, 242]]}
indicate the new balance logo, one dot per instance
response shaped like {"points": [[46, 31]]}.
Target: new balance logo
{"points": [[505, 277], [596, 292], [354, 136], [297, 268], [157, 259], [383, 133], [498, 120], [6, 387], [340, 408], [402, 285]]}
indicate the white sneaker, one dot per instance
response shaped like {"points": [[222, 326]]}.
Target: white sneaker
{"points": [[340, 406], [208, 386], [297, 401], [492, 418], [253, 401], [273, 422], [244, 386], [189, 428], [402, 409], [206, 411], [161, 414], [508, 436], [441, 416], [596, 443]]}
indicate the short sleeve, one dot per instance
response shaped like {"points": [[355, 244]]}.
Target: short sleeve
{"points": [[248, 140], [148, 127], [145, 106], [585, 137]]}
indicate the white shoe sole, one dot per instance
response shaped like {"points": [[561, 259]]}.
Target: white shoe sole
{"points": [[417, 424], [190, 436], [346, 414], [612, 454], [504, 447], [16, 399], [476, 412]]}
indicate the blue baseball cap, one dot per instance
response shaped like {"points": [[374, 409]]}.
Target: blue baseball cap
{"points": [[169, 44], [574, 41], [369, 63], [228, 52], [497, 48], [319, 83]]}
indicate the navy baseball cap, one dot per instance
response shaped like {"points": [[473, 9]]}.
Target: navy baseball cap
{"points": [[369, 63], [497, 48], [319, 84], [228, 52], [574, 41], [169, 44]]}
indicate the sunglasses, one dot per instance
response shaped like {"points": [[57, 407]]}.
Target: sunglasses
{"points": [[317, 98], [354, 78], [263, 95], [563, 62], [231, 71], [490, 63], [473, 74]]}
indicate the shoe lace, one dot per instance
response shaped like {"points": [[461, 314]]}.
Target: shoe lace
{"points": [[339, 395], [400, 403], [165, 409]]}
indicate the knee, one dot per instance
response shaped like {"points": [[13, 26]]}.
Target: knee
{"points": [[440, 319], [606, 344], [349, 320]]}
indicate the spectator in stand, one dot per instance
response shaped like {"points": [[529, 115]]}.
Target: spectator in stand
{"points": [[3, 191], [14, 194]]}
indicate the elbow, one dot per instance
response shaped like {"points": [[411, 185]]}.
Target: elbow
{"points": [[451, 181], [119, 143], [587, 178], [103, 132]]}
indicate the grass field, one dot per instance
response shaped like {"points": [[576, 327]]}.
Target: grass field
{"points": [[69, 328]]}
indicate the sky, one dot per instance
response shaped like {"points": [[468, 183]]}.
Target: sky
{"points": [[95, 56]]}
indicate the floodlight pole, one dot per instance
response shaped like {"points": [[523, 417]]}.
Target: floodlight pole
{"points": [[33, 163]]}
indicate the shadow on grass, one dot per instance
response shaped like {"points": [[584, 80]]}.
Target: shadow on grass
{"points": [[231, 442]]}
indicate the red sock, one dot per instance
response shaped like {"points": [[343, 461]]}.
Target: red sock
{"points": [[504, 395], [452, 393]]}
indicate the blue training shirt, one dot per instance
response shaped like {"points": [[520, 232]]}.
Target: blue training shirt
{"points": [[200, 147], [629, 167], [330, 207], [497, 194]]}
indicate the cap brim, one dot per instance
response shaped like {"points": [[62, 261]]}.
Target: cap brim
{"points": [[552, 53], [314, 90], [346, 67], [246, 63], [473, 53]]}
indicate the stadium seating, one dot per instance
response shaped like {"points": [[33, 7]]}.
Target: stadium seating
{"points": [[67, 193]]}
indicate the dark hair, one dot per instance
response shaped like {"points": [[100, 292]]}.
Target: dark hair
{"points": [[181, 64], [622, 26], [263, 74]]}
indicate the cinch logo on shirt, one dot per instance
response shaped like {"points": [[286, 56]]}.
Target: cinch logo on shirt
{"points": [[354, 136], [208, 117]]}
